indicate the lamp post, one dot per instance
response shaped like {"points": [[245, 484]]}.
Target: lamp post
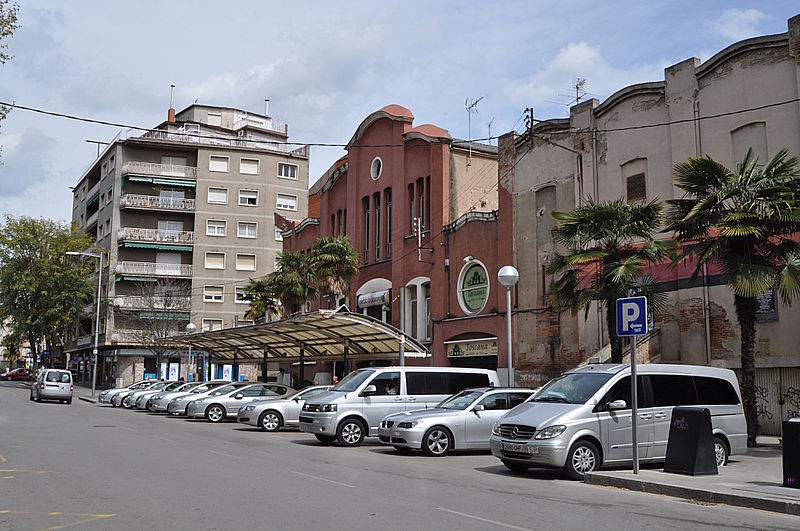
{"points": [[97, 318], [191, 328], [508, 276]]}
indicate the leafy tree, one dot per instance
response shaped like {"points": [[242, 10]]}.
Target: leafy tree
{"points": [[744, 222], [8, 24], [11, 344], [293, 280], [264, 300], [43, 291], [334, 263], [607, 244]]}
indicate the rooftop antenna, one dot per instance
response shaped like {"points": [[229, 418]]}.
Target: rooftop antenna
{"points": [[471, 106], [489, 125], [578, 87]]}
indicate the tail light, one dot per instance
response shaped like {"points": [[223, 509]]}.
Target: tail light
{"points": [[70, 388], [41, 385]]}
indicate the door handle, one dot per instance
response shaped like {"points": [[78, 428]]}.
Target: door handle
{"points": [[398, 399], [660, 415], [412, 398], [645, 417]]}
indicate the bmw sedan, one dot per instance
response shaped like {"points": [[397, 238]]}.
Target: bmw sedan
{"points": [[274, 414], [221, 405], [160, 402], [178, 406], [461, 422]]}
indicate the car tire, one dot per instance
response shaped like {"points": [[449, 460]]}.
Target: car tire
{"points": [[270, 420], [515, 467], [38, 398], [215, 413], [582, 458], [327, 440], [31, 397], [437, 442], [350, 432], [721, 452]]}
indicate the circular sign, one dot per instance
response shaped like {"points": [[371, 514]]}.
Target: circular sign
{"points": [[473, 287]]}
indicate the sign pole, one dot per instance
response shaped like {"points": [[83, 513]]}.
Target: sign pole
{"points": [[634, 408], [632, 321]]}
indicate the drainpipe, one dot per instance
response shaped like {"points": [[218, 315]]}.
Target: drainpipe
{"points": [[698, 148], [595, 178]]}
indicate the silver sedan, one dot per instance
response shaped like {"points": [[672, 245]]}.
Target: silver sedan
{"points": [[177, 406], [221, 405], [141, 400], [117, 399], [272, 415], [461, 422], [105, 396], [130, 400], [159, 402]]}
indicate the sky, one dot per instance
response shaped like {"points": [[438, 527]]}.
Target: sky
{"points": [[325, 66]]}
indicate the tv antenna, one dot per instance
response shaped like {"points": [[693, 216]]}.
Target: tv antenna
{"points": [[472, 107], [489, 125]]}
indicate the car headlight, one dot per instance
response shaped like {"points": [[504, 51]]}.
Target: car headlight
{"points": [[249, 408], [328, 408], [496, 428], [550, 432], [407, 424]]}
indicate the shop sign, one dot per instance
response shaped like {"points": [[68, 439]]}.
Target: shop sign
{"points": [[376, 298], [475, 287], [468, 348]]}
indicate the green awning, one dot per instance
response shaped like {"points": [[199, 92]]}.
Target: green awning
{"points": [[93, 199], [158, 180], [159, 246], [135, 278]]}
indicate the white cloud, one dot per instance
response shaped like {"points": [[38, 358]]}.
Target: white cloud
{"points": [[739, 24]]}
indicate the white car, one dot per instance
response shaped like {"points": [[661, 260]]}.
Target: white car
{"points": [[272, 415]]}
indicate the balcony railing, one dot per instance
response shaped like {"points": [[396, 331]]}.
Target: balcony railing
{"points": [[154, 269], [155, 202], [155, 169], [91, 220], [138, 302], [136, 234]]}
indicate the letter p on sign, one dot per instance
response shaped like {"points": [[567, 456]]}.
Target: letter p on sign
{"points": [[632, 316]]}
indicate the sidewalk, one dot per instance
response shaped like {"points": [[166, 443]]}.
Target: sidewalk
{"points": [[750, 480], [83, 391]]}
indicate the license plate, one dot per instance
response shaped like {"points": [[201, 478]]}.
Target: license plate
{"points": [[519, 448]]}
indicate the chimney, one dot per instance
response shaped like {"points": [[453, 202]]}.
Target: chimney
{"points": [[266, 108], [171, 112]]}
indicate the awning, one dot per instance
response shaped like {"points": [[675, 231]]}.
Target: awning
{"points": [[93, 199], [159, 246], [321, 335], [158, 180]]}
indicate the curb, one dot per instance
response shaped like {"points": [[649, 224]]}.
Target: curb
{"points": [[751, 502], [85, 399]]}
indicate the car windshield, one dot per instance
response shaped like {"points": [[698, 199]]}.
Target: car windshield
{"points": [[461, 400], [158, 386], [201, 388], [572, 388], [54, 376], [225, 389], [352, 381], [305, 394]]}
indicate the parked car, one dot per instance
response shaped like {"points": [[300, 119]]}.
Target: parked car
{"points": [[272, 415], [220, 405], [177, 406], [53, 384], [355, 407], [21, 374], [105, 396], [582, 420], [144, 401], [160, 402], [117, 399], [133, 399], [461, 422]]}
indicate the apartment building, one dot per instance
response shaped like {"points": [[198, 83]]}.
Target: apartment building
{"points": [[184, 211]]}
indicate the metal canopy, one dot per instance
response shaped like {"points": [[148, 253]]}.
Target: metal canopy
{"points": [[322, 335]]}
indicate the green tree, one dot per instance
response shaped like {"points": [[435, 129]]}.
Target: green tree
{"points": [[43, 291], [8, 24], [293, 281], [334, 263], [742, 221], [264, 300], [607, 245]]}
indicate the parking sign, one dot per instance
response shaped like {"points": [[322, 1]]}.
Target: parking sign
{"points": [[632, 316]]}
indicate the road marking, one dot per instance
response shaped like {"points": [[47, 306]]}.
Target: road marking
{"points": [[90, 517], [322, 479], [125, 428], [2, 459], [165, 439], [8, 477], [499, 524], [223, 453]]}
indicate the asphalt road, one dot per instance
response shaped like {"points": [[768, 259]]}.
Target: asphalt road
{"points": [[85, 466]]}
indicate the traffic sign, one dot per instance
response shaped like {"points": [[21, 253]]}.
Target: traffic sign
{"points": [[46, 353], [632, 316]]}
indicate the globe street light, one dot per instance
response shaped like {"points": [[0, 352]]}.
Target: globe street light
{"points": [[508, 276], [97, 319], [191, 328]]}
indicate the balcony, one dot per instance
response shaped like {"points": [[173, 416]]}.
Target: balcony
{"points": [[154, 269], [91, 221], [138, 302], [135, 234], [159, 170], [154, 202]]}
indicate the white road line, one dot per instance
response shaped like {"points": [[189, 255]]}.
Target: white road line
{"points": [[223, 453], [500, 524], [125, 428], [165, 439], [322, 479]]}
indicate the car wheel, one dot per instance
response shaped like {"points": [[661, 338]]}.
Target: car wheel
{"points": [[31, 397], [270, 421], [515, 467], [215, 413], [721, 451], [405, 450], [38, 398], [68, 401], [437, 442], [325, 439], [582, 458], [351, 432]]}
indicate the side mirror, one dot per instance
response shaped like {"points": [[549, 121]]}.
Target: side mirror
{"points": [[617, 404], [238, 396], [478, 408], [369, 390]]}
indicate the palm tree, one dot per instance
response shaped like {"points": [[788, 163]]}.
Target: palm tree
{"points": [[743, 221], [293, 280], [264, 299], [334, 263], [607, 244]]}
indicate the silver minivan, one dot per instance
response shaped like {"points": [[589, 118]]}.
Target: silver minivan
{"points": [[354, 408], [53, 384], [581, 420]]}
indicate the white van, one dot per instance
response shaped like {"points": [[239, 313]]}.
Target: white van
{"points": [[354, 408], [53, 384], [581, 420]]}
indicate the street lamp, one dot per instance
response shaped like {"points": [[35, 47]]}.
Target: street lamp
{"points": [[97, 319], [191, 328], [508, 276]]}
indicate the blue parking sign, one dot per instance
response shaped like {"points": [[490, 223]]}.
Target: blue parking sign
{"points": [[632, 316]]}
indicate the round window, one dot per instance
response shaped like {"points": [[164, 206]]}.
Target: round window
{"points": [[376, 168], [473, 287]]}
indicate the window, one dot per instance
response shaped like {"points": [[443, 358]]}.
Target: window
{"points": [[171, 165], [421, 193], [218, 196], [517, 398], [248, 198], [110, 198], [376, 168], [218, 164], [209, 325], [215, 260], [495, 402], [412, 301], [672, 390], [278, 235], [215, 227], [458, 381], [365, 206], [714, 391], [387, 194], [622, 391], [339, 219], [412, 212], [246, 229], [286, 202], [108, 227], [376, 200], [248, 166], [427, 383], [111, 162], [246, 262], [426, 291], [637, 188], [240, 297], [387, 384], [287, 171], [212, 294], [215, 118], [253, 390]]}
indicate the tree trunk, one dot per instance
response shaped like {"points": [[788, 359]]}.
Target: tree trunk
{"points": [[746, 313], [614, 339]]}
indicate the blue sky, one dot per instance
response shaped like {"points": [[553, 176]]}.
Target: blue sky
{"points": [[325, 66]]}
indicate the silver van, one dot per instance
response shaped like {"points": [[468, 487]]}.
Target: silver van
{"points": [[581, 420], [354, 408], [53, 384]]}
